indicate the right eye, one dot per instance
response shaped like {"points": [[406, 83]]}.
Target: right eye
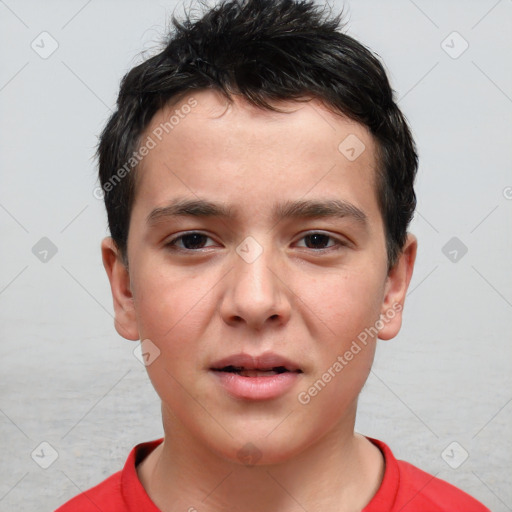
{"points": [[190, 242]]}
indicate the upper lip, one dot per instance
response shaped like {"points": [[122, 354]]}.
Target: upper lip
{"points": [[266, 361]]}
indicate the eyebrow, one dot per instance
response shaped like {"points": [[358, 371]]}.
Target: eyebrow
{"points": [[310, 209]]}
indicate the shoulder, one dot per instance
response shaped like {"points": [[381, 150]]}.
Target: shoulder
{"points": [[121, 492], [406, 488], [420, 489], [106, 494]]}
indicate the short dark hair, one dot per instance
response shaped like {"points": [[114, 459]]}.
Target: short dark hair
{"points": [[266, 51]]}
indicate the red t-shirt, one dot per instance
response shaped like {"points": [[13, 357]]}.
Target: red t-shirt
{"points": [[404, 488]]}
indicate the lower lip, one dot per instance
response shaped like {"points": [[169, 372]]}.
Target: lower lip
{"points": [[257, 388]]}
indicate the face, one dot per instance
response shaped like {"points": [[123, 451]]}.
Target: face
{"points": [[257, 273]]}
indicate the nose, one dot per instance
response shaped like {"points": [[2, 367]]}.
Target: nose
{"points": [[256, 294]]}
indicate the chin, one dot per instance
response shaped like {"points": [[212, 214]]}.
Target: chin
{"points": [[250, 448]]}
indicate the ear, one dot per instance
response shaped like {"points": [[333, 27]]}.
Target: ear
{"points": [[396, 287], [125, 319]]}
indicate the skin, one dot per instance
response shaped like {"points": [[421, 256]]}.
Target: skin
{"points": [[307, 301]]}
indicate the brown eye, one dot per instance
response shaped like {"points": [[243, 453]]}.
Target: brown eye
{"points": [[189, 241], [320, 241], [316, 240]]}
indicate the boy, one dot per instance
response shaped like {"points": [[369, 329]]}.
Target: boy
{"points": [[258, 180]]}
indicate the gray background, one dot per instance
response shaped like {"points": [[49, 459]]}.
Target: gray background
{"points": [[69, 380]]}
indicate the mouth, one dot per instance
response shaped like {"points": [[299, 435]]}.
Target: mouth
{"points": [[255, 372], [266, 364], [264, 377]]}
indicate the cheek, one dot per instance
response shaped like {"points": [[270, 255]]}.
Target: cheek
{"points": [[331, 393], [171, 313], [174, 310], [344, 315], [342, 305], [170, 303]]}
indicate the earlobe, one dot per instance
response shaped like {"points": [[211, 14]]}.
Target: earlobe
{"points": [[125, 319], [396, 287]]}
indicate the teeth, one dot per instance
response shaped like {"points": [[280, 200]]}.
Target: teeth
{"points": [[264, 372], [257, 373]]}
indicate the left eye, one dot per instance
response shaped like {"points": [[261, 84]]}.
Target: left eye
{"points": [[315, 239]]}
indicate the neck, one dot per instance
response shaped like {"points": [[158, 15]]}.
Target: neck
{"points": [[339, 472]]}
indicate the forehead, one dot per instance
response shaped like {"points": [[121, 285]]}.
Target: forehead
{"points": [[251, 158]]}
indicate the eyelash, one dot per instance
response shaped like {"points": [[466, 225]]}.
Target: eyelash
{"points": [[338, 243]]}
